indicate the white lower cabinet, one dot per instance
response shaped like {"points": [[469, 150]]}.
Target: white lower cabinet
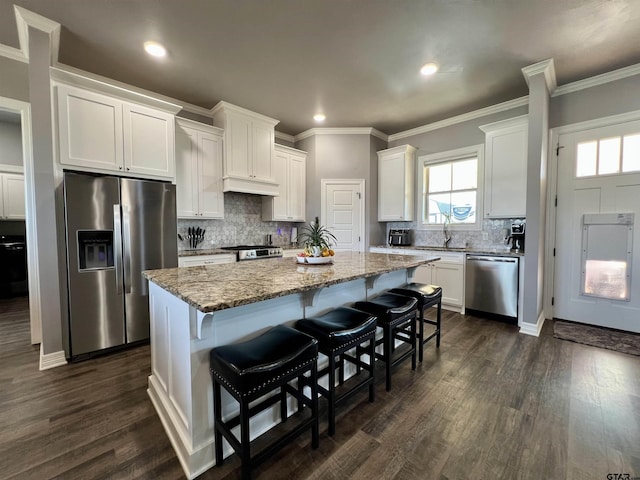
{"points": [[201, 260], [198, 170], [12, 204], [448, 273]]}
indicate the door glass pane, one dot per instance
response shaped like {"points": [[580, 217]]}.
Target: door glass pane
{"points": [[631, 153], [465, 174], [440, 178], [463, 207], [609, 156], [586, 161]]}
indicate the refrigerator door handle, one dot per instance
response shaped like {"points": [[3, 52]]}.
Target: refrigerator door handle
{"points": [[126, 258], [117, 247]]}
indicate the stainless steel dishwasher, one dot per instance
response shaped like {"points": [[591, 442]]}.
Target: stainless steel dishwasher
{"points": [[491, 284]]}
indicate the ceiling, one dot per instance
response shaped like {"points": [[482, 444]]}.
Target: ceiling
{"points": [[356, 61]]}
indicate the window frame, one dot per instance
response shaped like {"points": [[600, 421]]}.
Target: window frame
{"points": [[425, 161]]}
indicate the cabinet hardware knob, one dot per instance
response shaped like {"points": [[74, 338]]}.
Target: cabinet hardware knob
{"points": [[128, 169], [120, 168]]}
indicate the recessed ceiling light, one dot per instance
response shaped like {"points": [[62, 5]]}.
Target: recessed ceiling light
{"points": [[319, 117], [429, 69], [155, 49]]}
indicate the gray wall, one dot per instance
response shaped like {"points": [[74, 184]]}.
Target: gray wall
{"points": [[344, 157], [286, 143], [15, 77], [596, 102], [11, 143], [455, 136]]}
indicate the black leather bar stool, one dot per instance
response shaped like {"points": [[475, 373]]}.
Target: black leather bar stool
{"points": [[251, 369], [427, 296], [397, 318], [337, 332]]}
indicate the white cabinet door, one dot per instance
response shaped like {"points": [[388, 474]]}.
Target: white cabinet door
{"points": [[149, 137], [198, 171], [450, 278], [237, 146], [290, 174], [210, 176], [279, 205], [396, 174], [89, 129], [297, 188], [423, 274], [506, 168], [12, 193], [202, 260], [262, 140], [186, 173]]}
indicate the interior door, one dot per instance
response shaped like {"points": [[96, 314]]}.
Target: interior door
{"points": [[343, 212], [592, 179]]}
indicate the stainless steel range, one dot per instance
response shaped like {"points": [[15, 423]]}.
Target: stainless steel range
{"points": [[254, 252]]}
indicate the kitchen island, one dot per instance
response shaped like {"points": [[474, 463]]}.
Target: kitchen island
{"points": [[195, 309]]}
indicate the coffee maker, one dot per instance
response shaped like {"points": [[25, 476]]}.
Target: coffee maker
{"points": [[517, 236]]}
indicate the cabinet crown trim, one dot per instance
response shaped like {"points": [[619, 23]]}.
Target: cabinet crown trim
{"points": [[398, 149], [509, 122], [284, 148], [204, 127], [223, 106], [63, 77]]}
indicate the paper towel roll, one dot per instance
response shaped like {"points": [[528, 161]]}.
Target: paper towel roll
{"points": [[294, 234]]}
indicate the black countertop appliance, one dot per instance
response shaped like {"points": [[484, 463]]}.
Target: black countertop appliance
{"points": [[400, 237]]}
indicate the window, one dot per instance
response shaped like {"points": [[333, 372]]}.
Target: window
{"points": [[608, 156], [450, 189]]}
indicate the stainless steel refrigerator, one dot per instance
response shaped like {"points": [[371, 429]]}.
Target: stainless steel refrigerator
{"points": [[115, 228]]}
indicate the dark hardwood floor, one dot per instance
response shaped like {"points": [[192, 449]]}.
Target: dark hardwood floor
{"points": [[491, 403]]}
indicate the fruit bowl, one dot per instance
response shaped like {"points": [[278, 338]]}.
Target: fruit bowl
{"points": [[314, 260], [318, 260]]}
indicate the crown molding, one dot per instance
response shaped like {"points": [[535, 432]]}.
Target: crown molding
{"points": [[465, 117], [203, 127], [285, 136], [286, 148], [25, 19], [73, 76], [596, 80], [343, 131], [502, 124], [222, 105], [546, 67], [13, 53]]}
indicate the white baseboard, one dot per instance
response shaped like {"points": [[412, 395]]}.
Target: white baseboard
{"points": [[531, 329], [52, 360]]}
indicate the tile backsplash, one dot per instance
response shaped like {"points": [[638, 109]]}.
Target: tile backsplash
{"points": [[242, 225], [496, 230]]}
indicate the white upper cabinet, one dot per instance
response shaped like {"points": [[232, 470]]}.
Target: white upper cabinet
{"points": [[290, 174], [505, 188], [12, 205], [198, 170], [99, 132], [396, 180], [248, 150]]}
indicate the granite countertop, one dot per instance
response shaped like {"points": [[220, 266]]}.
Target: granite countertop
{"points": [[217, 287], [484, 251]]}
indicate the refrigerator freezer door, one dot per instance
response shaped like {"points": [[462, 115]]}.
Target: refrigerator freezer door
{"points": [[96, 309], [149, 237]]}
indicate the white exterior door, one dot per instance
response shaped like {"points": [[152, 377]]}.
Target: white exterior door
{"points": [[598, 172], [343, 212]]}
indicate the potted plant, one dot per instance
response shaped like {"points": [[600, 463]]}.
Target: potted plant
{"points": [[316, 238]]}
